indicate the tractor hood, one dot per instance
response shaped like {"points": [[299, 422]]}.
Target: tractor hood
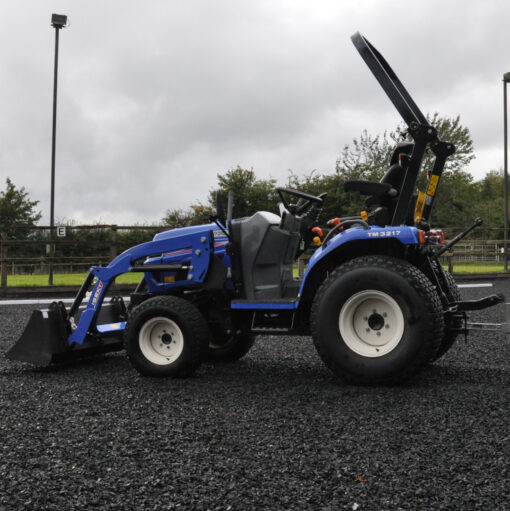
{"points": [[185, 231]]}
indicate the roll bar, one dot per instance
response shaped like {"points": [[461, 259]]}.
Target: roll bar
{"points": [[422, 132], [389, 81]]}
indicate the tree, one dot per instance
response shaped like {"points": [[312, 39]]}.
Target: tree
{"points": [[451, 130], [16, 210], [337, 203], [490, 192], [194, 215], [250, 195], [368, 158]]}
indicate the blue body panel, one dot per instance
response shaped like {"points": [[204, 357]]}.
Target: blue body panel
{"points": [[180, 251], [184, 231], [265, 305], [405, 234]]}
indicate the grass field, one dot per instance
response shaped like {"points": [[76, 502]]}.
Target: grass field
{"points": [[76, 279], [478, 268], [64, 279]]}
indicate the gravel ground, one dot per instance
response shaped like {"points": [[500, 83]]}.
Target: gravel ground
{"points": [[273, 431]]}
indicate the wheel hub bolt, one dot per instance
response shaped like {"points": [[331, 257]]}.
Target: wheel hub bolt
{"points": [[385, 314], [368, 329], [386, 326], [365, 318], [378, 333]]}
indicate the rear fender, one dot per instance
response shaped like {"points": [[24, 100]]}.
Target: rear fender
{"points": [[354, 242]]}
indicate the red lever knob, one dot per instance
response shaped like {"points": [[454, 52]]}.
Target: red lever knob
{"points": [[318, 231]]}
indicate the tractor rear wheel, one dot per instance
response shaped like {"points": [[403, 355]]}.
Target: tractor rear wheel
{"points": [[376, 320], [166, 336]]}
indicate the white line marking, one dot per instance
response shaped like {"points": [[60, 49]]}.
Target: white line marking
{"points": [[483, 284], [45, 301]]}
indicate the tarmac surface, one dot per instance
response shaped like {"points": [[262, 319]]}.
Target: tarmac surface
{"points": [[275, 430]]}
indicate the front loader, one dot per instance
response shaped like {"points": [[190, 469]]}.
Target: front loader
{"points": [[374, 295]]}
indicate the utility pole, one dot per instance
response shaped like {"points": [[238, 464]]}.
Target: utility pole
{"points": [[58, 21], [506, 79]]}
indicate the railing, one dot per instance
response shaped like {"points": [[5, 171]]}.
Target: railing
{"points": [[27, 251]]}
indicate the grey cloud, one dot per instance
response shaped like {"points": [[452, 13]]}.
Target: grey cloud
{"points": [[156, 98]]}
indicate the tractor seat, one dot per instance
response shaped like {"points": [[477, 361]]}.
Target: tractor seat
{"points": [[382, 196], [377, 190], [388, 188]]}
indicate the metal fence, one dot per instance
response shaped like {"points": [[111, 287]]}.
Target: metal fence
{"points": [[30, 251], [483, 248]]}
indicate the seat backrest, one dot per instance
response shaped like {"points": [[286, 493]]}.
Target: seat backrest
{"points": [[394, 176], [266, 255]]}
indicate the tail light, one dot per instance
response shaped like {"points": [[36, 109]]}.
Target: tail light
{"points": [[432, 236]]}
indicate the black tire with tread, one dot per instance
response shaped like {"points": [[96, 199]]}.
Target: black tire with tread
{"points": [[190, 321], [236, 347], [415, 295]]}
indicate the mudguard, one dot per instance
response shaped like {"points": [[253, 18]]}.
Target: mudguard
{"points": [[405, 234]]}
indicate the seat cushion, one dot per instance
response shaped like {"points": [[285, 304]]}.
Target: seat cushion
{"points": [[374, 189]]}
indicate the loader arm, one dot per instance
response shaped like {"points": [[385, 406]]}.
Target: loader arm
{"points": [[198, 248], [52, 335]]}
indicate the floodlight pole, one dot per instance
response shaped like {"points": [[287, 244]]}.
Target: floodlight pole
{"points": [[506, 79], [58, 21]]}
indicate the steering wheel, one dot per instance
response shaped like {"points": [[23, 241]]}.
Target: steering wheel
{"points": [[305, 200]]}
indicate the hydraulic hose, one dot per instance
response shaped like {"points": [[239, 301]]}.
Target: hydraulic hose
{"points": [[344, 224]]}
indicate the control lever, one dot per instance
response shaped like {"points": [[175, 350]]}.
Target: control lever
{"points": [[457, 238]]}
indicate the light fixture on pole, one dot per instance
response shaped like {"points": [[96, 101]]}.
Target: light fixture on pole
{"points": [[58, 21]]}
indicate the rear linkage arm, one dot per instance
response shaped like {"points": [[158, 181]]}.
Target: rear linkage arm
{"points": [[461, 307]]}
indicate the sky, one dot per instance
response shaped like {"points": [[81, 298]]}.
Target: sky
{"points": [[156, 98]]}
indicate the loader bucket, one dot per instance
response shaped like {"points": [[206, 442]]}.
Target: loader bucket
{"points": [[45, 336], [44, 340]]}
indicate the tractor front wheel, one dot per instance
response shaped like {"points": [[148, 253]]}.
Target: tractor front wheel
{"points": [[166, 336], [376, 320]]}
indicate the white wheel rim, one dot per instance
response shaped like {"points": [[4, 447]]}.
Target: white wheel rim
{"points": [[371, 323], [161, 341]]}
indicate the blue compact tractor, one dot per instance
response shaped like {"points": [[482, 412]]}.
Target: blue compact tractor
{"points": [[374, 297]]}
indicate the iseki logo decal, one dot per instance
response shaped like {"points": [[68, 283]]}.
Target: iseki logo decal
{"points": [[97, 294]]}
